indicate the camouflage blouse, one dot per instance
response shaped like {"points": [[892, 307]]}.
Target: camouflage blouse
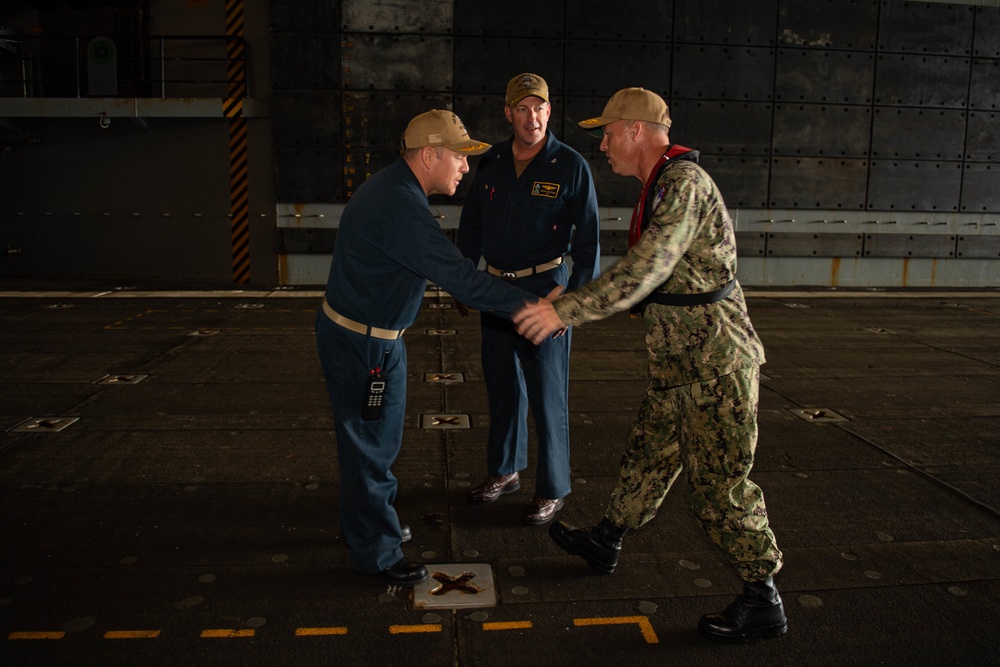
{"points": [[688, 247]]}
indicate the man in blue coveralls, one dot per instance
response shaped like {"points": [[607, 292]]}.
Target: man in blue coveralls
{"points": [[531, 200], [388, 245]]}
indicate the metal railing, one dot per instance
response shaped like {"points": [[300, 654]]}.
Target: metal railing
{"points": [[165, 66]]}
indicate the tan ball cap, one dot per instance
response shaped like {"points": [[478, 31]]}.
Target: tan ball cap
{"points": [[630, 104], [444, 129], [526, 85]]}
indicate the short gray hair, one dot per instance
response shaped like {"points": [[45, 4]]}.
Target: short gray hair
{"points": [[411, 153]]}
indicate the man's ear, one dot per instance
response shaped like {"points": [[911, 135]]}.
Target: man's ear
{"points": [[507, 114], [426, 156]]}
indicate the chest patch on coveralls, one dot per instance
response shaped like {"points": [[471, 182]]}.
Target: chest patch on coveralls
{"points": [[550, 190]]}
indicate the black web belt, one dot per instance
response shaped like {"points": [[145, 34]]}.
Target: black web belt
{"points": [[701, 299]]}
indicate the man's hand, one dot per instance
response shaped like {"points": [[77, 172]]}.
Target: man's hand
{"points": [[536, 321]]}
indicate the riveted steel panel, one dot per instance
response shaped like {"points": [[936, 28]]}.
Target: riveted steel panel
{"points": [[918, 133], [306, 240], [306, 118], [832, 183], [914, 80], [984, 87], [981, 188], [723, 72], [751, 244], [543, 18], [484, 118], [983, 138], [978, 247], [986, 41], [811, 75], [816, 130], [631, 19], [378, 119], [305, 15], [602, 68], [486, 65], [742, 180], [360, 163], [844, 24], [397, 62], [432, 16], [308, 174], [736, 128], [799, 244], [725, 22], [305, 61], [924, 27], [896, 185], [910, 245]]}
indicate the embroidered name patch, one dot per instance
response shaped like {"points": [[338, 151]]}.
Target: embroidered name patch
{"points": [[550, 190]]}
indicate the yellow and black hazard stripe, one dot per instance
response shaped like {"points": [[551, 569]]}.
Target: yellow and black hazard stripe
{"points": [[239, 197]]}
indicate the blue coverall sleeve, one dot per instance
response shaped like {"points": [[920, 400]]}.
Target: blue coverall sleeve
{"points": [[586, 245], [426, 251]]}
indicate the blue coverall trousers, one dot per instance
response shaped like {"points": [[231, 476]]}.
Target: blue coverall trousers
{"points": [[366, 450], [520, 375]]}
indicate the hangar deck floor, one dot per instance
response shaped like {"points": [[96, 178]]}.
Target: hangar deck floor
{"points": [[168, 491]]}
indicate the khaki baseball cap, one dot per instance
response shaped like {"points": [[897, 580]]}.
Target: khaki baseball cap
{"points": [[441, 128], [630, 104], [526, 85]]}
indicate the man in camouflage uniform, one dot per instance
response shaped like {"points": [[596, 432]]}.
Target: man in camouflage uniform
{"points": [[700, 408]]}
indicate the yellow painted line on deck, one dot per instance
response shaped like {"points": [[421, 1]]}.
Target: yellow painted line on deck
{"points": [[641, 621], [131, 634], [509, 625], [225, 634], [319, 632], [36, 635], [414, 629]]}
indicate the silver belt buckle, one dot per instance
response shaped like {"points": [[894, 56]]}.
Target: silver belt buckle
{"points": [[508, 275]]}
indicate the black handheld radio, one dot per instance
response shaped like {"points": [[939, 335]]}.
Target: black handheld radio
{"points": [[375, 387]]}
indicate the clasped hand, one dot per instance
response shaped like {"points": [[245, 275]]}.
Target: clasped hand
{"points": [[537, 321]]}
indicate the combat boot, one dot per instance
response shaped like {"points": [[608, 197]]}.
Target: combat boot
{"points": [[756, 614], [599, 545]]}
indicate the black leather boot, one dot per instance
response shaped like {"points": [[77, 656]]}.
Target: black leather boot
{"points": [[405, 572], [756, 614], [600, 545]]}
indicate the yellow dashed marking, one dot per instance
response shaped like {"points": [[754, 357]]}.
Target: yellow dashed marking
{"points": [[36, 635], [131, 634], [228, 633], [413, 629], [225, 634], [510, 625], [641, 621], [319, 632]]}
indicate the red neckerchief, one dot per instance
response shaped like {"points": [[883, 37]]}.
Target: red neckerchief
{"points": [[635, 226]]}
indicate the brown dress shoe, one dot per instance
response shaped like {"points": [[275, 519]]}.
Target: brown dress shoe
{"points": [[492, 488], [541, 510]]}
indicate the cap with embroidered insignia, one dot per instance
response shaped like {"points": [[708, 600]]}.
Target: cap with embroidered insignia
{"points": [[441, 128], [526, 85]]}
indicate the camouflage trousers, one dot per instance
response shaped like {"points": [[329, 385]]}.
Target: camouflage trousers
{"points": [[708, 429]]}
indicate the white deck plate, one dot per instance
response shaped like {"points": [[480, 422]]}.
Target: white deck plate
{"points": [[456, 586]]}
